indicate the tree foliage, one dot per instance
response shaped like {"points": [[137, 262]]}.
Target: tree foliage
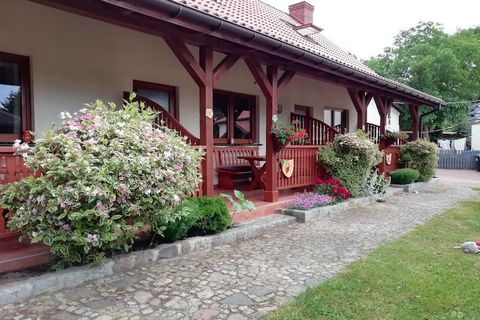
{"points": [[447, 66]]}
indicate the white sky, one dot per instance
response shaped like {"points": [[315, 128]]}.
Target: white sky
{"points": [[365, 27]]}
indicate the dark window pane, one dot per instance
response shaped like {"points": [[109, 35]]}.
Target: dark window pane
{"points": [[242, 113], [10, 98], [220, 116], [160, 97]]}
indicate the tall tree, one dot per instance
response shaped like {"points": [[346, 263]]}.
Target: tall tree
{"points": [[447, 66]]}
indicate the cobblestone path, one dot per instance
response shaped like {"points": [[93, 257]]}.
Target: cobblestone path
{"points": [[245, 280]]}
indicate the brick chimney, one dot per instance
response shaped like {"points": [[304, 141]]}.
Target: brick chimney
{"points": [[302, 11]]}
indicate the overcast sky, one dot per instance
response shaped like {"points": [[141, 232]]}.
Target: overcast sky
{"points": [[365, 27]]}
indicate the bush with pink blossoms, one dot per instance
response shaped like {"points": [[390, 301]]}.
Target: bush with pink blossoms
{"points": [[104, 173]]}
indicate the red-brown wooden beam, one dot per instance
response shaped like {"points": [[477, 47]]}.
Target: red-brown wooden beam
{"points": [[415, 120], [202, 73], [284, 80], [270, 84], [384, 105], [206, 118], [224, 66], [187, 59], [360, 100], [271, 193]]}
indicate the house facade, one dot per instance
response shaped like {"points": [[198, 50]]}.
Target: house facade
{"points": [[220, 71]]}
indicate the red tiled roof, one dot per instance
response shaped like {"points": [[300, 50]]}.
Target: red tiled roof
{"points": [[270, 21]]}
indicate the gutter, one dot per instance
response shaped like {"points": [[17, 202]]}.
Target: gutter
{"points": [[176, 10]]}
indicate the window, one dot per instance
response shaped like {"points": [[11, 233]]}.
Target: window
{"points": [[336, 118], [302, 110], [233, 118], [15, 107], [163, 95]]}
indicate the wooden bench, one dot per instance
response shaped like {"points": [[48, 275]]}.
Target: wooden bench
{"points": [[230, 167]]}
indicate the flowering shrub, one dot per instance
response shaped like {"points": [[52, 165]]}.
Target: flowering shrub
{"points": [[420, 155], [105, 172], [374, 183], [309, 200], [350, 158], [288, 132], [332, 187]]}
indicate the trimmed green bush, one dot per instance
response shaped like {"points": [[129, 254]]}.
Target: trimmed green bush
{"points": [[420, 155], [351, 158], [178, 229], [404, 176], [213, 216]]}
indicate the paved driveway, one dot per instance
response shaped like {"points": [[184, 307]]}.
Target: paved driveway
{"points": [[466, 178], [245, 280]]}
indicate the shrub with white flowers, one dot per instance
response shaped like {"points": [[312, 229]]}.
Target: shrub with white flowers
{"points": [[104, 173]]}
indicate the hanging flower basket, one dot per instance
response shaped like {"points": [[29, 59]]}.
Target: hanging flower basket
{"points": [[285, 133], [277, 144]]}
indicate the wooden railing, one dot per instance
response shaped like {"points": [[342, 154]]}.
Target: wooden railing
{"points": [[373, 132], [12, 169], [319, 133], [340, 129], [305, 166], [166, 119]]}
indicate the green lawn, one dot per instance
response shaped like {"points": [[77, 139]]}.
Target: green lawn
{"points": [[419, 276]]}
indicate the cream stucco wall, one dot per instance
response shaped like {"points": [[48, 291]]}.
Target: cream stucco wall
{"points": [[75, 60], [374, 117]]}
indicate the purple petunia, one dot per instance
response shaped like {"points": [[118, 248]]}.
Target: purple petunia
{"points": [[309, 200]]}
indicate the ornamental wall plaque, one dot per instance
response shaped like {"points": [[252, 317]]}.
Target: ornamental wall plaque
{"points": [[287, 167], [388, 159]]}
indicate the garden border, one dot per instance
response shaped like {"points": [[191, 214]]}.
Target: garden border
{"points": [[20, 290], [327, 211]]}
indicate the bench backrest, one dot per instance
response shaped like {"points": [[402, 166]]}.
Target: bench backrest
{"points": [[228, 156]]}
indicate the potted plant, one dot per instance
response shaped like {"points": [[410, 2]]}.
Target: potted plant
{"points": [[285, 133], [391, 137]]}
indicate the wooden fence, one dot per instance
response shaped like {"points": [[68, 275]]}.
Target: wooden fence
{"points": [[457, 159]]}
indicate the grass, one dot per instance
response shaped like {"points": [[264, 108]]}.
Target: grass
{"points": [[419, 276]]}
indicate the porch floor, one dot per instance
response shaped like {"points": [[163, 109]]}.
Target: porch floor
{"points": [[263, 208], [15, 255]]}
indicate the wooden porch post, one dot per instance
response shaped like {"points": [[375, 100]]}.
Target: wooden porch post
{"points": [[206, 118], [383, 106], [271, 87], [202, 74], [360, 100], [415, 118], [271, 192]]}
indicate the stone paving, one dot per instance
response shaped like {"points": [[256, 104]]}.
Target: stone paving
{"points": [[244, 280]]}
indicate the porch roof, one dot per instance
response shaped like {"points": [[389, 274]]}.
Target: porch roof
{"points": [[247, 27], [260, 17]]}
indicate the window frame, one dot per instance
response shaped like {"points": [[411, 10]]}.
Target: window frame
{"points": [[25, 96], [171, 90], [230, 120], [306, 109]]}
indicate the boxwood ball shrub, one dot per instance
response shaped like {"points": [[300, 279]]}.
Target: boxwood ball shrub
{"points": [[213, 216], [404, 176], [104, 173], [350, 158], [420, 155], [178, 229]]}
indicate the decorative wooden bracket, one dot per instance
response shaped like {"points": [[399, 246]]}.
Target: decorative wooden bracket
{"points": [[224, 66], [263, 81], [361, 99]]}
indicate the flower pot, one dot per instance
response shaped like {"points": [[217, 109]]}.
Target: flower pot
{"points": [[389, 141], [277, 144]]}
